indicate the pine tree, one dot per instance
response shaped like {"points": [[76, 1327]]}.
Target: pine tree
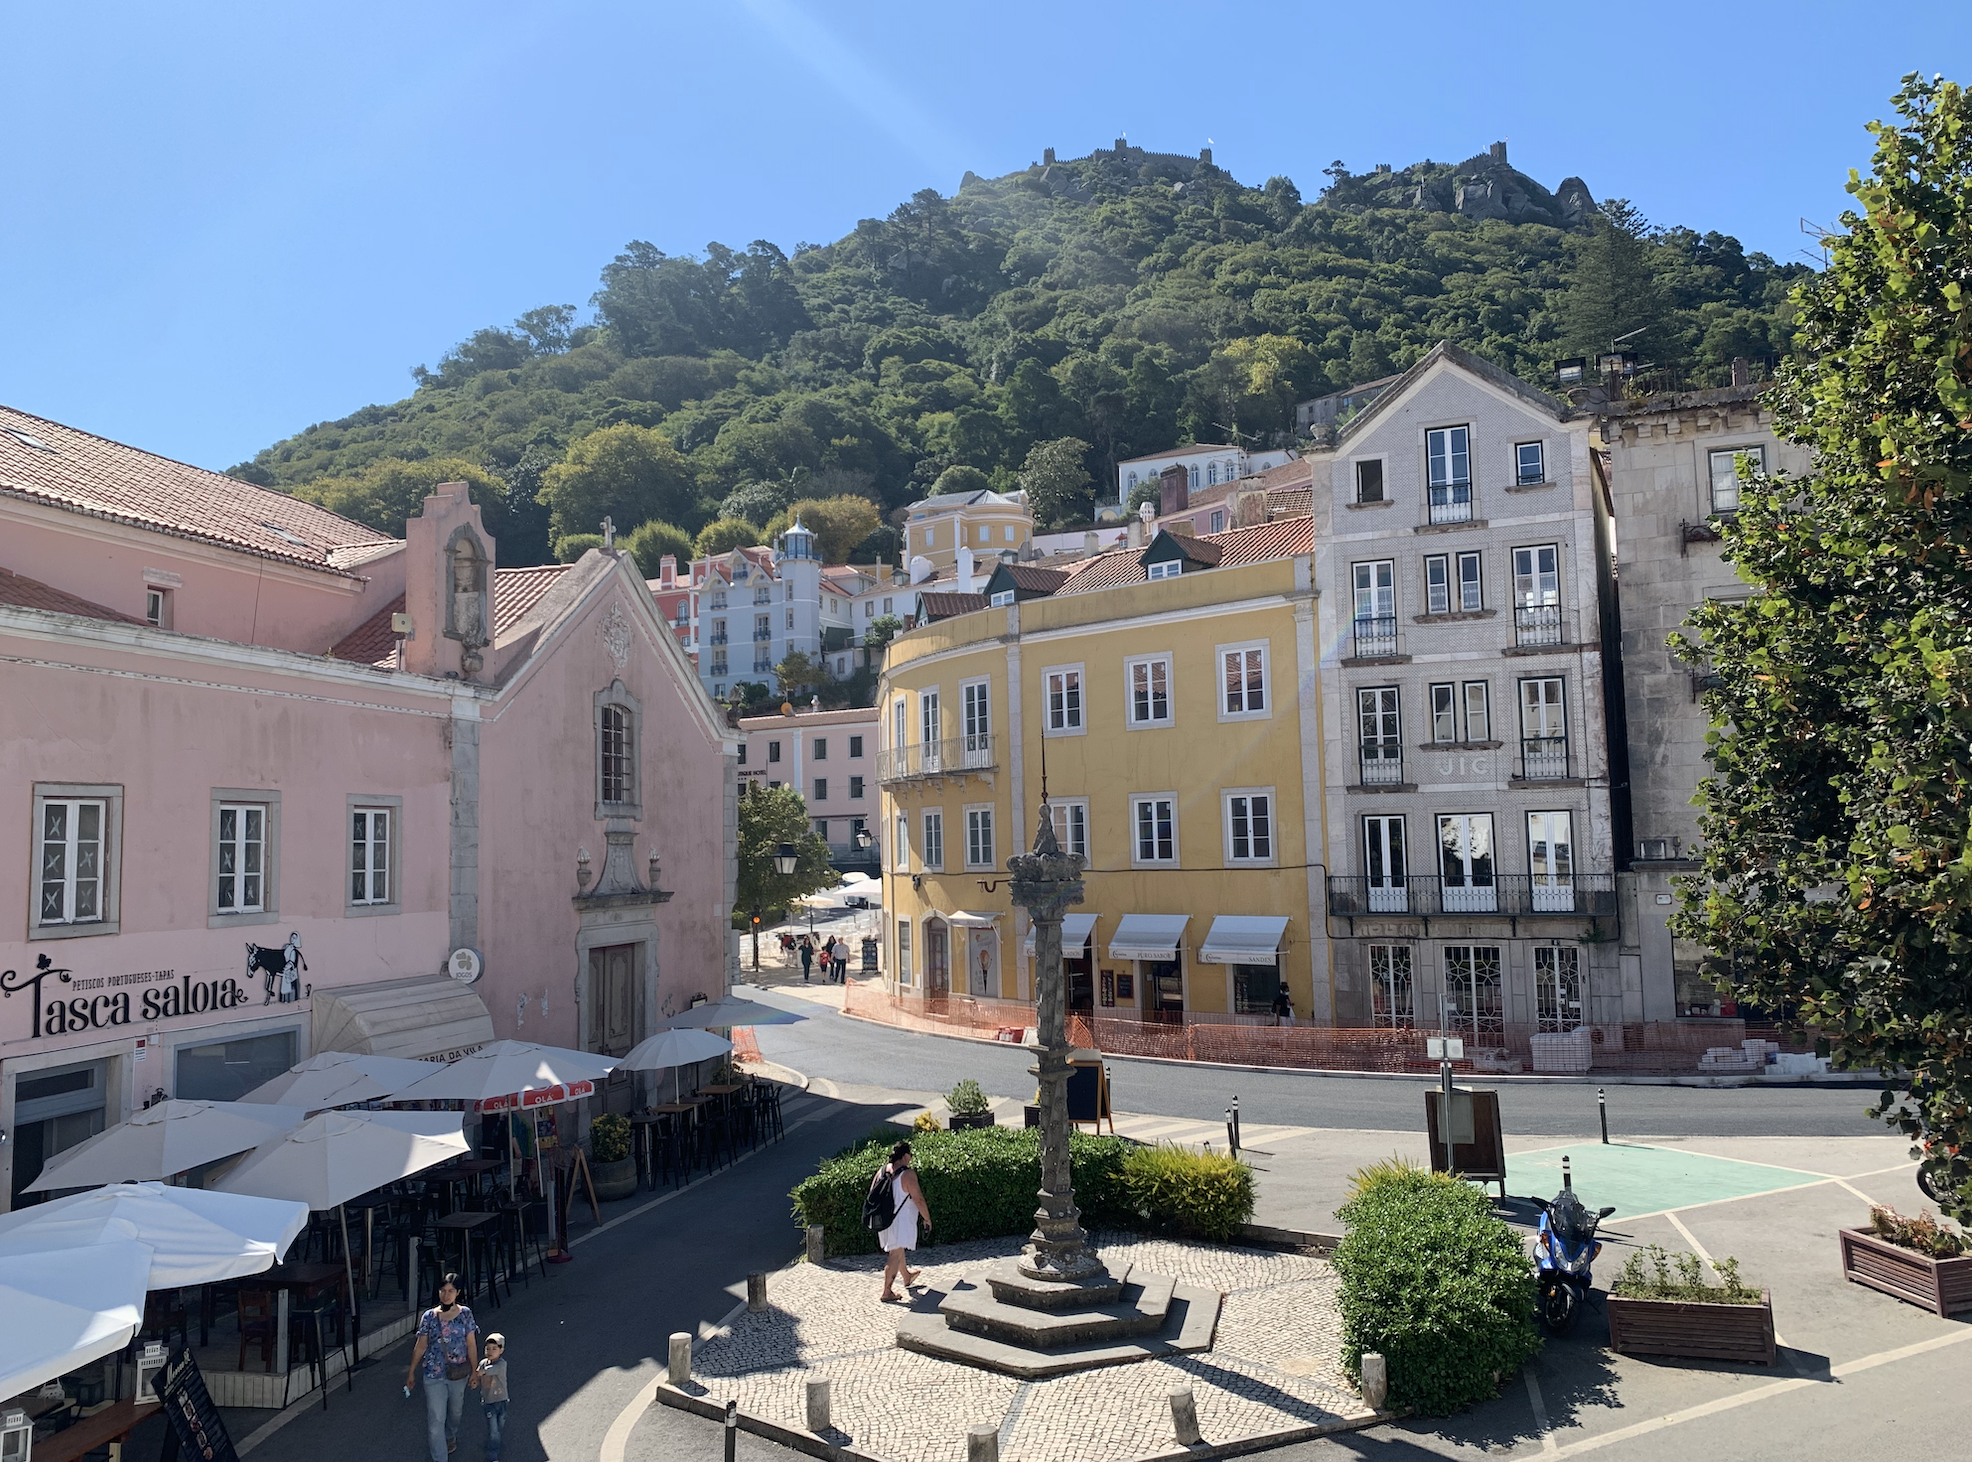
{"points": [[1613, 290]]}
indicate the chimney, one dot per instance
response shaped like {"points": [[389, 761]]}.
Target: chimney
{"points": [[667, 571], [1742, 371], [1173, 489], [1133, 535], [448, 585], [1091, 544], [965, 570]]}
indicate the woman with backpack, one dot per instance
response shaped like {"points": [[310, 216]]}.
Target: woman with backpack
{"points": [[894, 1207]]}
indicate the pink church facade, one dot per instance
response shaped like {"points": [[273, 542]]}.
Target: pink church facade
{"points": [[272, 783]]}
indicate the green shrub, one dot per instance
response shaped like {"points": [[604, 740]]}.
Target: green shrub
{"points": [[1923, 1233], [967, 1097], [980, 1184], [1682, 1278], [1440, 1287], [1392, 1169], [1202, 1195], [609, 1138]]}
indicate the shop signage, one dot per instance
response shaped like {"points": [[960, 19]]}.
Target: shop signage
{"points": [[105, 1001], [540, 1096]]}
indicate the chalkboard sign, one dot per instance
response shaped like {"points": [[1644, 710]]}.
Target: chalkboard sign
{"points": [[869, 956], [192, 1422]]}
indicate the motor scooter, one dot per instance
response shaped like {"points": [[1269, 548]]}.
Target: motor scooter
{"points": [[1565, 1246]]}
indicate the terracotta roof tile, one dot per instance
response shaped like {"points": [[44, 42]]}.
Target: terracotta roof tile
{"points": [[515, 591], [1032, 578], [26, 593], [46, 462], [1198, 550], [944, 606], [1282, 538]]}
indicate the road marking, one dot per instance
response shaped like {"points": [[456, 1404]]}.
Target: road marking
{"points": [[616, 1441], [1539, 1403]]}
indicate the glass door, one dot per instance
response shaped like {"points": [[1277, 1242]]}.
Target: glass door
{"points": [[929, 726], [1472, 985], [1383, 856], [1465, 856], [1391, 1003], [1558, 1004], [977, 709], [1551, 856]]}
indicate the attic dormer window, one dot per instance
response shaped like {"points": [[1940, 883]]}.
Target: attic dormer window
{"points": [[1170, 568]]}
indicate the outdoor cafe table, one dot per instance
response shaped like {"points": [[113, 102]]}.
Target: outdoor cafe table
{"points": [[305, 1281], [465, 1225], [452, 1174]]}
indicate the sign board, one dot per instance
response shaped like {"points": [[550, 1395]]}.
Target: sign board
{"points": [[1478, 1147], [1444, 1048], [869, 956], [540, 1096], [192, 1423]]}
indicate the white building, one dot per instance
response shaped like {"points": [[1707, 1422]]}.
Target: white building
{"points": [[1208, 465]]}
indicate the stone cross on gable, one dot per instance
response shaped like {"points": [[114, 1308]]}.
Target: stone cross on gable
{"points": [[609, 533]]}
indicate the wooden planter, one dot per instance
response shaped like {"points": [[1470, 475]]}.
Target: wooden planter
{"points": [[1693, 1330], [965, 1121], [1941, 1285]]}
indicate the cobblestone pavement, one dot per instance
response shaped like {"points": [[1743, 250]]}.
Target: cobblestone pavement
{"points": [[1274, 1366]]}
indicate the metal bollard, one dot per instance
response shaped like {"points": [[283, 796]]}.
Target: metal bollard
{"points": [[982, 1443], [817, 1248], [1184, 1417], [681, 1358], [1602, 1110], [818, 1406], [756, 1292], [1376, 1379], [732, 1431]]}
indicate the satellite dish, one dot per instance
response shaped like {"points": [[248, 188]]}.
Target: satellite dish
{"points": [[464, 965]]}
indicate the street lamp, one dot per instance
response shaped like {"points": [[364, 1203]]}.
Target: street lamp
{"points": [[785, 860], [863, 839]]}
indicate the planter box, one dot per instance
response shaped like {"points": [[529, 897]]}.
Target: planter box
{"points": [[1693, 1330], [614, 1180], [1941, 1285], [966, 1121]]}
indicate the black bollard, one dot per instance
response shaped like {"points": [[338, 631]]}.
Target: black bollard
{"points": [[1602, 1110], [732, 1431]]}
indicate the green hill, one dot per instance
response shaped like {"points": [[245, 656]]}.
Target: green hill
{"points": [[1127, 300]]}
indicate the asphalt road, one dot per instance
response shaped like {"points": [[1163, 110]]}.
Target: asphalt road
{"points": [[831, 1045]]}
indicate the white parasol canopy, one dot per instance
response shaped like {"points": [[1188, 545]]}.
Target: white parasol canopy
{"points": [[338, 1078], [336, 1156], [196, 1237], [68, 1308], [670, 1048], [733, 1010], [169, 1138], [508, 1068]]}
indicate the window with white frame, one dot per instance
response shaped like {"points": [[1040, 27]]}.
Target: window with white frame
{"points": [[900, 850], [1149, 679], [1448, 461], [1478, 711], [1001, 599], [931, 852], [1169, 568], [1211, 474], [1218, 521], [1249, 825], [1444, 713], [1390, 986], [1064, 700], [1191, 475], [979, 837], [900, 724], [1243, 673], [240, 858], [1725, 474], [1154, 829], [1070, 816], [1437, 583], [1529, 463], [370, 873], [929, 726], [75, 858], [903, 951], [1470, 595]]}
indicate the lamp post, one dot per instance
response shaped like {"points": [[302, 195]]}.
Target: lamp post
{"points": [[1045, 882]]}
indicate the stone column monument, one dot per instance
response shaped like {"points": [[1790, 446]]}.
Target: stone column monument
{"points": [[1045, 882]]}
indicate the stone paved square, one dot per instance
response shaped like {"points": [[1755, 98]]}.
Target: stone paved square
{"points": [[1275, 1364]]}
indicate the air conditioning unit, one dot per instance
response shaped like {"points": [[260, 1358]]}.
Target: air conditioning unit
{"points": [[1652, 850]]}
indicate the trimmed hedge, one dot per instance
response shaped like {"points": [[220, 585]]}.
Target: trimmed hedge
{"points": [[1199, 1195], [1444, 1290]]}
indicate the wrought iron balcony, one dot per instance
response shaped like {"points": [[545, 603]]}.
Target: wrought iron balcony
{"points": [[1536, 625], [1544, 758], [718, 639], [762, 634], [1375, 636], [1451, 502], [1518, 895], [1383, 764], [971, 753]]}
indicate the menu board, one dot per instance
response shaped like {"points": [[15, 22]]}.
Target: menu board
{"points": [[192, 1424]]}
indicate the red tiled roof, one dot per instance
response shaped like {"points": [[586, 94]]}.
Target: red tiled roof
{"points": [[515, 592], [1282, 538], [1037, 580], [88, 474], [26, 593], [945, 606], [1196, 549]]}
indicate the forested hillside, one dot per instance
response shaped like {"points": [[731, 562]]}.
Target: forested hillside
{"points": [[1034, 328]]}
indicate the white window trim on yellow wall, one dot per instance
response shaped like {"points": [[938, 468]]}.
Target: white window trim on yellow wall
{"points": [[1272, 856], [931, 849], [1062, 810], [1078, 725], [904, 950], [1150, 722], [973, 846], [1243, 649], [1138, 799], [901, 854]]}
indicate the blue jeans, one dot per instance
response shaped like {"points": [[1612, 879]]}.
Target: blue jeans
{"points": [[496, 1421], [444, 1400]]}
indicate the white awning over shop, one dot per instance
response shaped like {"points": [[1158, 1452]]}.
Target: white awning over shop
{"points": [[1148, 936], [1075, 932], [963, 920], [1243, 939], [423, 1018]]}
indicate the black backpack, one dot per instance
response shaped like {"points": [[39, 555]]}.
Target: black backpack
{"points": [[880, 1208]]}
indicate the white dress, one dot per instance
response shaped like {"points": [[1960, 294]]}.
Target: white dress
{"points": [[903, 1230]]}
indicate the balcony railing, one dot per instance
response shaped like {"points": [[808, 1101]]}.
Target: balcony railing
{"points": [[1383, 764], [718, 639], [1514, 894], [1535, 625], [762, 634], [1451, 502], [1375, 636], [1544, 758], [719, 667], [762, 665], [975, 752]]}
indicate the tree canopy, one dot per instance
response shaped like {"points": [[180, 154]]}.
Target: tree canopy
{"points": [[1130, 302], [768, 817], [1837, 881]]}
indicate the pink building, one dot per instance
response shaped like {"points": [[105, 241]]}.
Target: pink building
{"points": [[272, 782]]}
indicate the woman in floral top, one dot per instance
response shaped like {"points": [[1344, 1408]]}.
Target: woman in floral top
{"points": [[446, 1360]]}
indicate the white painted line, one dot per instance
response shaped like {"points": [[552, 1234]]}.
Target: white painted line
{"points": [[1539, 1403]]}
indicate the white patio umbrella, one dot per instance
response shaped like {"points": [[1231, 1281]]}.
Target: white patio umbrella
{"points": [[339, 1078], [508, 1068], [733, 1010], [161, 1141], [670, 1049], [68, 1308], [337, 1156], [196, 1237]]}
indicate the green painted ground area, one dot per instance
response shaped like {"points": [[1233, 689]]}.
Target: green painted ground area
{"points": [[1640, 1179]]}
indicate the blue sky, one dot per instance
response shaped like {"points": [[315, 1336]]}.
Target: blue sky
{"points": [[226, 221]]}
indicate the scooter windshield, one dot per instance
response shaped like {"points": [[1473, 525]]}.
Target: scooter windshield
{"points": [[1569, 1219]]}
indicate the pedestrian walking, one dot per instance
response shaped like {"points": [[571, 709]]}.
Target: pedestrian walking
{"points": [[493, 1392], [1281, 1007], [807, 958], [907, 1209], [840, 953], [446, 1361]]}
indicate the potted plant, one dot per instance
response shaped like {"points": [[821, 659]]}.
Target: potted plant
{"points": [[611, 1168], [969, 1106], [1661, 1306], [1915, 1259]]}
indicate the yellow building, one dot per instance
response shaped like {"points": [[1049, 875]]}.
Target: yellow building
{"points": [[987, 523], [1169, 697]]}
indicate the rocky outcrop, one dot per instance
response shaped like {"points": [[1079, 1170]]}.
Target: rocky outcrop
{"points": [[1483, 187]]}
